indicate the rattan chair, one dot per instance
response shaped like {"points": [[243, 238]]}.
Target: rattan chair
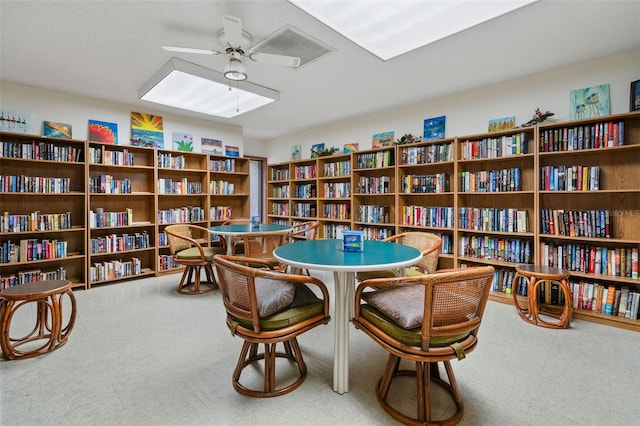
{"points": [[268, 307], [190, 245], [304, 231], [260, 245], [429, 244], [429, 319]]}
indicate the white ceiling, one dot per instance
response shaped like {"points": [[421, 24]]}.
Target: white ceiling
{"points": [[109, 49]]}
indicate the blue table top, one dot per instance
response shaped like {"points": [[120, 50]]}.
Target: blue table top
{"points": [[328, 255], [245, 228]]}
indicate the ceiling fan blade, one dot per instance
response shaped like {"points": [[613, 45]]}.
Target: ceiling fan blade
{"points": [[191, 50], [268, 58], [232, 30]]}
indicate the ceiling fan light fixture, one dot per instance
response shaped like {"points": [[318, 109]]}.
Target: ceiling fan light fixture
{"points": [[235, 70]]}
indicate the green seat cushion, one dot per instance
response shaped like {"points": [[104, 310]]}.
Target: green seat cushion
{"points": [[194, 254], [408, 337], [287, 317], [409, 272]]}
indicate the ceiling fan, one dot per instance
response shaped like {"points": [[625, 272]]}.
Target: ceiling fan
{"points": [[235, 42]]}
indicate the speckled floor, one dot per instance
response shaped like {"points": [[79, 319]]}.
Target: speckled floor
{"points": [[141, 354]]}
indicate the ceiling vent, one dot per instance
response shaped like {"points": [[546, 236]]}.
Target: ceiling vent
{"points": [[290, 41]]}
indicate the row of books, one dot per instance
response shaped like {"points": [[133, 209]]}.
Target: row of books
{"points": [[425, 184], [30, 249], [505, 180], [447, 244], [104, 271], [336, 211], [612, 261], [221, 187], [107, 184], [183, 186], [35, 221], [337, 169], [372, 233], [432, 216], [110, 157], [309, 171], [621, 301], [35, 184], [492, 219], [427, 154], [303, 209], [220, 212], [503, 282], [570, 178], [374, 185], [102, 219], [305, 191], [333, 230], [41, 151], [589, 136], [337, 190], [576, 223], [281, 191], [486, 247], [373, 214], [169, 161], [280, 209], [181, 215], [227, 165], [24, 277], [279, 174], [503, 146], [165, 262], [118, 243], [374, 160]]}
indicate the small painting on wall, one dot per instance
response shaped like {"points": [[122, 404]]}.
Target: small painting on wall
{"points": [[634, 103], [350, 147], [296, 152], [434, 128], [501, 124], [232, 151], [146, 130], [382, 140], [13, 121], [57, 130], [316, 149], [182, 141], [102, 131], [211, 146], [589, 102]]}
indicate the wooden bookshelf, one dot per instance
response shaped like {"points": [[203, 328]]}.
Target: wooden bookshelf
{"points": [[228, 188], [334, 194]]}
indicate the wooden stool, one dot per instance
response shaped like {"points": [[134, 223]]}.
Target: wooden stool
{"points": [[537, 276], [48, 327]]}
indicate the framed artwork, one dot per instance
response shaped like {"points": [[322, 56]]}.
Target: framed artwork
{"points": [[350, 147], [316, 149], [296, 152], [589, 102], [634, 103], [211, 146], [103, 131], [146, 130], [182, 141], [57, 130], [504, 123], [231, 151], [13, 121], [382, 140], [434, 128]]}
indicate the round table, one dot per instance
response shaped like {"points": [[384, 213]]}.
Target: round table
{"points": [[48, 328], [229, 231], [328, 255]]}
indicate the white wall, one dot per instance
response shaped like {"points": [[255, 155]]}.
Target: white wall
{"points": [[469, 113], [49, 105]]}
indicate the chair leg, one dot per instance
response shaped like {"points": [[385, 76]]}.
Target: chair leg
{"points": [[190, 283]]}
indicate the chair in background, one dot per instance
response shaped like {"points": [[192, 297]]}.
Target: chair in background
{"points": [[429, 244], [427, 319], [268, 307], [190, 245], [304, 231], [260, 245]]}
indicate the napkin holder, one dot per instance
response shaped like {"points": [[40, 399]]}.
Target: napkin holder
{"points": [[353, 241]]}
